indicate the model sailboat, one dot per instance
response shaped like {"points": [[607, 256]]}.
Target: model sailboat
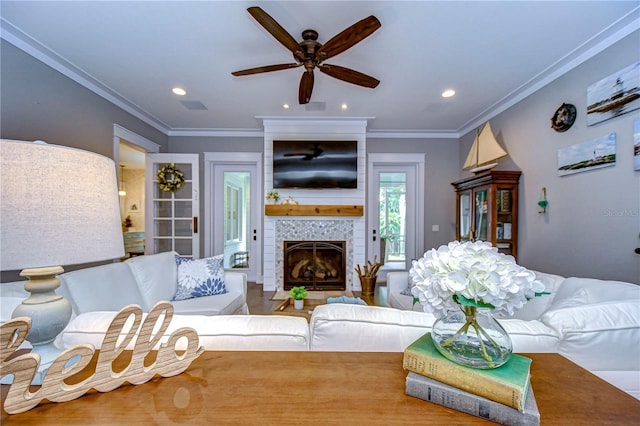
{"points": [[484, 151]]}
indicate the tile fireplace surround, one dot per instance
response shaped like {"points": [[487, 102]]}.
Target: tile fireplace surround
{"points": [[313, 230], [278, 230]]}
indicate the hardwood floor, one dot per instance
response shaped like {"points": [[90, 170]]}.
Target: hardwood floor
{"points": [[260, 302]]}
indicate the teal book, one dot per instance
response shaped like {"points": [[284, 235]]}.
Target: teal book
{"points": [[507, 384]]}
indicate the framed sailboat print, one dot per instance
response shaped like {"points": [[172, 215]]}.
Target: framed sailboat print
{"points": [[615, 95]]}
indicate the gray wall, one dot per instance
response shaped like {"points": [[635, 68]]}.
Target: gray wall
{"points": [[440, 201], [38, 102], [592, 224]]}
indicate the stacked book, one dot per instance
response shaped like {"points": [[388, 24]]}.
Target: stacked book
{"points": [[502, 395]]}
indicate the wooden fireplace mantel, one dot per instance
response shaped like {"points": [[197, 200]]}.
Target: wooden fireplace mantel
{"points": [[312, 210]]}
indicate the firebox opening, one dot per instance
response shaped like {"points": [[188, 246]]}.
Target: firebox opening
{"points": [[316, 265]]}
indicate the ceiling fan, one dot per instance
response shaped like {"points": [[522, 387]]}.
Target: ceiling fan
{"points": [[312, 54]]}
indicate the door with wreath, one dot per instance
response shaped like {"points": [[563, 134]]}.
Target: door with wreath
{"points": [[172, 204]]}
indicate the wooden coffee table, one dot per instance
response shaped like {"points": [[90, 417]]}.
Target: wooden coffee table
{"points": [[286, 308], [332, 388]]}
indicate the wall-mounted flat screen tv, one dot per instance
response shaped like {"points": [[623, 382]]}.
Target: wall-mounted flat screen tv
{"points": [[315, 164]]}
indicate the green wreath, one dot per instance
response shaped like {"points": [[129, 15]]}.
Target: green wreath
{"points": [[170, 178]]}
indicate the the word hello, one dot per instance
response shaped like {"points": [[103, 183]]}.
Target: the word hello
{"points": [[169, 361]]}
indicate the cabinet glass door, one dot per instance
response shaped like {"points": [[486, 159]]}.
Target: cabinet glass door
{"points": [[465, 216], [481, 209]]}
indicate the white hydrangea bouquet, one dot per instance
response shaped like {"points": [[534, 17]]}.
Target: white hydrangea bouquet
{"points": [[462, 277]]}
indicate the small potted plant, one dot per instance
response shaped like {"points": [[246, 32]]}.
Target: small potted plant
{"points": [[273, 197], [298, 294]]}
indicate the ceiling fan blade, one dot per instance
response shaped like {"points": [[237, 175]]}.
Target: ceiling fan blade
{"points": [[349, 37], [267, 68], [349, 75], [276, 31], [306, 87]]}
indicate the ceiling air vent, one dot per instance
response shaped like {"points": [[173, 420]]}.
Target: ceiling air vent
{"points": [[316, 106], [194, 105]]}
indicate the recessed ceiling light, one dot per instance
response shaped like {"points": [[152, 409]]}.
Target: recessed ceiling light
{"points": [[285, 106], [179, 91], [344, 106], [448, 93]]}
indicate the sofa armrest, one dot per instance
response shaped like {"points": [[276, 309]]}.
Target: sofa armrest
{"points": [[237, 282], [599, 336], [397, 281]]}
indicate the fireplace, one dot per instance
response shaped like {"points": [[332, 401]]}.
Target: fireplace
{"points": [[316, 265]]}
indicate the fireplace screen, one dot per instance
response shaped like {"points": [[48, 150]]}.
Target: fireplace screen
{"points": [[317, 265]]}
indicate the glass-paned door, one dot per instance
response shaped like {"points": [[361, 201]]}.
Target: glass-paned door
{"points": [[392, 216], [481, 216], [172, 215], [237, 202], [465, 216], [233, 213]]}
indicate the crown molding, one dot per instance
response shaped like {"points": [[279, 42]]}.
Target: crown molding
{"points": [[27, 44]]}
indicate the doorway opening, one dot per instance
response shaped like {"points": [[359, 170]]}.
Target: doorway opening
{"points": [[129, 152]]}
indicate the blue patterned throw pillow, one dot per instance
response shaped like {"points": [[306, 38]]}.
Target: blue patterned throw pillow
{"points": [[201, 277]]}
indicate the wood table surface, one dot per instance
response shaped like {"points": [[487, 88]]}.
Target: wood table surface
{"points": [[287, 308], [321, 388]]}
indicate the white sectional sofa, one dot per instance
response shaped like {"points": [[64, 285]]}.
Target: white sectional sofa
{"points": [[140, 280], [594, 323]]}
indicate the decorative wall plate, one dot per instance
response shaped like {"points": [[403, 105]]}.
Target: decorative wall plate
{"points": [[563, 118]]}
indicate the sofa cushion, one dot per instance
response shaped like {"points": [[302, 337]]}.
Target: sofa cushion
{"points": [[222, 304], [156, 275], [355, 328], [102, 288], [599, 290], [531, 336], [223, 332], [7, 305], [599, 336], [199, 277]]}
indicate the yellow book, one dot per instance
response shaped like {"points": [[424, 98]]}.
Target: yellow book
{"points": [[506, 384]]}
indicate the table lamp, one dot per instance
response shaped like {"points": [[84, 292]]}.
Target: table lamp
{"points": [[58, 206]]}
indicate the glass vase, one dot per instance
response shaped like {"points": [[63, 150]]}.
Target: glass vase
{"points": [[471, 336]]}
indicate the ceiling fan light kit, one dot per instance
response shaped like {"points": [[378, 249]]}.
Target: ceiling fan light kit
{"points": [[311, 54]]}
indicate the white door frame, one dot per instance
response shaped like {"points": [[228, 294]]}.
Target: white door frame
{"points": [[415, 190], [254, 159], [120, 133]]}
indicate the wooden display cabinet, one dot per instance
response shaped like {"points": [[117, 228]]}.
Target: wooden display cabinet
{"points": [[487, 209]]}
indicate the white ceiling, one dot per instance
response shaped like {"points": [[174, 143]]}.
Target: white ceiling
{"points": [[492, 53]]}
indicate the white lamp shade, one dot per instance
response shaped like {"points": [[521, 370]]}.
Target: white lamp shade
{"points": [[59, 206]]}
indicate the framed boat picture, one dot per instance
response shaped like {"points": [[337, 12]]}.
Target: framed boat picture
{"points": [[615, 95]]}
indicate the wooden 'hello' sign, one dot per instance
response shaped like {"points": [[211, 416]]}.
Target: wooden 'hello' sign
{"points": [[169, 361]]}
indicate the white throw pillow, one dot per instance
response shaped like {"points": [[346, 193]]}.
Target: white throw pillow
{"points": [[201, 277]]}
